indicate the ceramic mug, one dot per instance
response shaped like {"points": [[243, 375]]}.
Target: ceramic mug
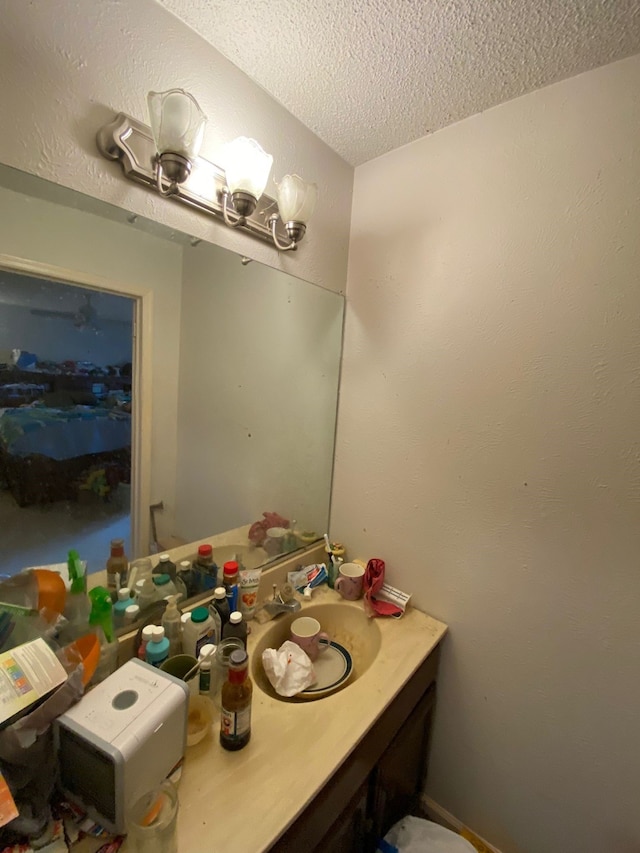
{"points": [[349, 581], [306, 633]]}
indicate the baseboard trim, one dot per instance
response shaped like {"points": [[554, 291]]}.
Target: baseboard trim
{"points": [[440, 815]]}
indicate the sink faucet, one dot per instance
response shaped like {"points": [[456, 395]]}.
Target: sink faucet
{"points": [[278, 603]]}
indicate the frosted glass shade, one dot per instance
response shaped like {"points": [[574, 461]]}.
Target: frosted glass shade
{"points": [[296, 199], [246, 166], [177, 122]]}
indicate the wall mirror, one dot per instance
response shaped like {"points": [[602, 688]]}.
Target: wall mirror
{"points": [[235, 376]]}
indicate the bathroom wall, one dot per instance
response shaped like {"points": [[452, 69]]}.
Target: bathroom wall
{"points": [[488, 448], [67, 68]]}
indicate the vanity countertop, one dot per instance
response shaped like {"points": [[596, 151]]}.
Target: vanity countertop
{"points": [[241, 802]]}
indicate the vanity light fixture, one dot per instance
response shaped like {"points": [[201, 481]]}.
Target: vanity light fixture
{"points": [[166, 158]]}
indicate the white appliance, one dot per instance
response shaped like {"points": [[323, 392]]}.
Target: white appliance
{"points": [[121, 740]]}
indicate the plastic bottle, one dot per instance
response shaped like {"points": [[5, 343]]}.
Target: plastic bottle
{"points": [[206, 658], [235, 714], [157, 650], [117, 565], [198, 631], [101, 621], [221, 605], [147, 593], [164, 586], [124, 600], [217, 622], [235, 627], [205, 569], [147, 636], [131, 614], [188, 577], [173, 626], [165, 566], [77, 606], [230, 581]]}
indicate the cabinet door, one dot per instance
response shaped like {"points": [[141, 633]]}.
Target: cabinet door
{"points": [[399, 776], [350, 832]]}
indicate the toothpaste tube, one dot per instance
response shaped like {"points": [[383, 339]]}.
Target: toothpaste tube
{"points": [[309, 576]]}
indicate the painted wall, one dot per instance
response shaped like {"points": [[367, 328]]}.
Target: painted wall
{"points": [[128, 260], [67, 68], [259, 367], [488, 424]]}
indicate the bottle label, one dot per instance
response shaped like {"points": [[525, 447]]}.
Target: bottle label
{"points": [[235, 724], [209, 637]]}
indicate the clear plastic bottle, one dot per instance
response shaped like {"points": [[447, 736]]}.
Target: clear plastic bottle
{"points": [[235, 713], [236, 627], [173, 626], [146, 593]]}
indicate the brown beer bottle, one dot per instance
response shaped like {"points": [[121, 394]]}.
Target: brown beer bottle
{"points": [[235, 713]]}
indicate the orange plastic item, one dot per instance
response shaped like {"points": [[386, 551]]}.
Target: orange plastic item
{"points": [[87, 649], [52, 592]]}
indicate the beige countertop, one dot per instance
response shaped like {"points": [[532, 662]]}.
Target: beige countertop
{"points": [[241, 802]]}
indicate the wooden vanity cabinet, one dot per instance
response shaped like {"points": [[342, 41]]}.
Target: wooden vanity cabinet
{"points": [[378, 783]]}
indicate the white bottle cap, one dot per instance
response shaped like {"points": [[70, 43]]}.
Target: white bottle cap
{"points": [[186, 565], [124, 593], [164, 558], [158, 633], [206, 650], [132, 612], [147, 633], [219, 592], [236, 617], [185, 617]]}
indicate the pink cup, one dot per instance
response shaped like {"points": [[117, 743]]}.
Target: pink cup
{"points": [[350, 580], [305, 632]]}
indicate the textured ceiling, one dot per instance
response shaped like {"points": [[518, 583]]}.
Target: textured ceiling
{"points": [[369, 75]]}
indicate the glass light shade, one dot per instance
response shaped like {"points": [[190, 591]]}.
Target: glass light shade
{"points": [[246, 166], [177, 122], [296, 199]]}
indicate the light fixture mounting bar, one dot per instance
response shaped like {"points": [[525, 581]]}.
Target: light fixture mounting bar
{"points": [[131, 142]]}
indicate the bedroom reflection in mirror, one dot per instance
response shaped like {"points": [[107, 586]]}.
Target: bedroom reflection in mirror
{"points": [[65, 421]]}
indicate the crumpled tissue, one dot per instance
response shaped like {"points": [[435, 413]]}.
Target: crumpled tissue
{"points": [[289, 669]]}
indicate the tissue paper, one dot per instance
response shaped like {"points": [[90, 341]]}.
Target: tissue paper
{"points": [[289, 669]]}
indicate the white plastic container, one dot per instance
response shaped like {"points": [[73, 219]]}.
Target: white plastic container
{"points": [[198, 631]]}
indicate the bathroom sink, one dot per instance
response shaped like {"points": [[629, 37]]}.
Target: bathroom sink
{"points": [[248, 555], [345, 623]]}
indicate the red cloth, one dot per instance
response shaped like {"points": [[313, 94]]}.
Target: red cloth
{"points": [[373, 580]]}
